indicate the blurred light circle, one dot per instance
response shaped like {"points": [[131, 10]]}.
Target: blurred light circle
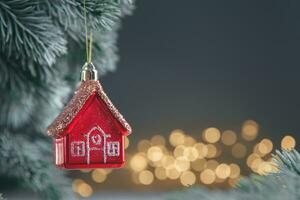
{"points": [[154, 153], [138, 162], [239, 150], [173, 173], [198, 165], [223, 171], [229, 137], [168, 162], [158, 140], [202, 150], [187, 178], [265, 146], [160, 173], [189, 141], [176, 137], [178, 151], [212, 164], [146, 177], [249, 130], [182, 164], [235, 171], [251, 158], [76, 183], [143, 145], [190, 153], [85, 190], [265, 168], [255, 164], [211, 135], [207, 176], [211, 150], [99, 175], [288, 143]]}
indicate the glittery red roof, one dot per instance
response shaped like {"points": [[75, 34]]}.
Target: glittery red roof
{"points": [[85, 90]]}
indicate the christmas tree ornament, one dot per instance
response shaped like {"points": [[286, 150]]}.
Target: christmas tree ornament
{"points": [[90, 131]]}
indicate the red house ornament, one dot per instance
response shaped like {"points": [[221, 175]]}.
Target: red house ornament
{"points": [[90, 131]]}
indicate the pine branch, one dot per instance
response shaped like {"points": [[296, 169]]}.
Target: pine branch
{"points": [[28, 162], [25, 36], [37, 77], [63, 13]]}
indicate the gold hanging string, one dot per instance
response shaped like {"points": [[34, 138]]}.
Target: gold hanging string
{"points": [[88, 37], [90, 48]]}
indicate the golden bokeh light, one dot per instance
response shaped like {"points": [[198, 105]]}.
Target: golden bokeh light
{"points": [[160, 173], [85, 190], [168, 162], [211, 151], [138, 162], [184, 159], [251, 158], [158, 140], [190, 153], [288, 143], [199, 165], [207, 176], [255, 164], [187, 178], [176, 137], [235, 171], [99, 175], [212, 164], [211, 135], [239, 150], [143, 145], [265, 146], [223, 171], [126, 142], [76, 183], [189, 141], [146, 177], [182, 164], [265, 168], [178, 151], [202, 150], [173, 173], [250, 130], [228, 137], [154, 153]]}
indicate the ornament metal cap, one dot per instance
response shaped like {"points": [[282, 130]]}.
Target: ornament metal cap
{"points": [[89, 72]]}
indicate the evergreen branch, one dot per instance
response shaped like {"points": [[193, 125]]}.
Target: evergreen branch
{"points": [[127, 6], [27, 161], [64, 13], [33, 37], [288, 161], [25, 36]]}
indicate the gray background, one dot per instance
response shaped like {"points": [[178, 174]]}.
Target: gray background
{"points": [[193, 64]]}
